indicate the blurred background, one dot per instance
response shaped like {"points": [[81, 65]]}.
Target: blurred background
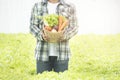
{"points": [[94, 16], [94, 56]]}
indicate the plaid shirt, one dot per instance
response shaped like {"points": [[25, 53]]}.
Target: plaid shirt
{"points": [[36, 28]]}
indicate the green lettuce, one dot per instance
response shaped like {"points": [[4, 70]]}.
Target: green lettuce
{"points": [[50, 20]]}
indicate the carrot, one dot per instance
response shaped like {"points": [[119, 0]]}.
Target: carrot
{"points": [[48, 28], [63, 25], [60, 21]]}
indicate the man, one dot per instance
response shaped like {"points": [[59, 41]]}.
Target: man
{"points": [[52, 56]]}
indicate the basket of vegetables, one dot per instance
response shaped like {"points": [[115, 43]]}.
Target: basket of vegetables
{"points": [[53, 26]]}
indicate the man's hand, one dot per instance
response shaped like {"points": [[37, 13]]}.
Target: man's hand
{"points": [[46, 38], [61, 38]]}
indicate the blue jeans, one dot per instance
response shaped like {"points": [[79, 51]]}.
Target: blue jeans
{"points": [[52, 64]]}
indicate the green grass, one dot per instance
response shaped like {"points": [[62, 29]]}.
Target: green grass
{"points": [[94, 57]]}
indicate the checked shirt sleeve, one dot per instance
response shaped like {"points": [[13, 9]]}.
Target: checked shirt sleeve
{"points": [[34, 23], [73, 26]]}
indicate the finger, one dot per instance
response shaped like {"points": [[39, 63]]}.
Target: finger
{"points": [[44, 37]]}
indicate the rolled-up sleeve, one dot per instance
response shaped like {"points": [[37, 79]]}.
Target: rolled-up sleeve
{"points": [[35, 23]]}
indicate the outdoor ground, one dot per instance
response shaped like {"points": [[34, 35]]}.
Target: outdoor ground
{"points": [[94, 57]]}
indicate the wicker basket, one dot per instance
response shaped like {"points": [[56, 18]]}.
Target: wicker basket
{"points": [[53, 36]]}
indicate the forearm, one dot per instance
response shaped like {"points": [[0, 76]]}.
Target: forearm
{"points": [[72, 28], [70, 32], [34, 30], [35, 25]]}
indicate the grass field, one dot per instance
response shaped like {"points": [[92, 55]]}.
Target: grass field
{"points": [[94, 57]]}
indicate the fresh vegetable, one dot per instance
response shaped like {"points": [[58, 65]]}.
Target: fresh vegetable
{"points": [[48, 28], [53, 30], [60, 18], [56, 22], [50, 20], [56, 28], [62, 23]]}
